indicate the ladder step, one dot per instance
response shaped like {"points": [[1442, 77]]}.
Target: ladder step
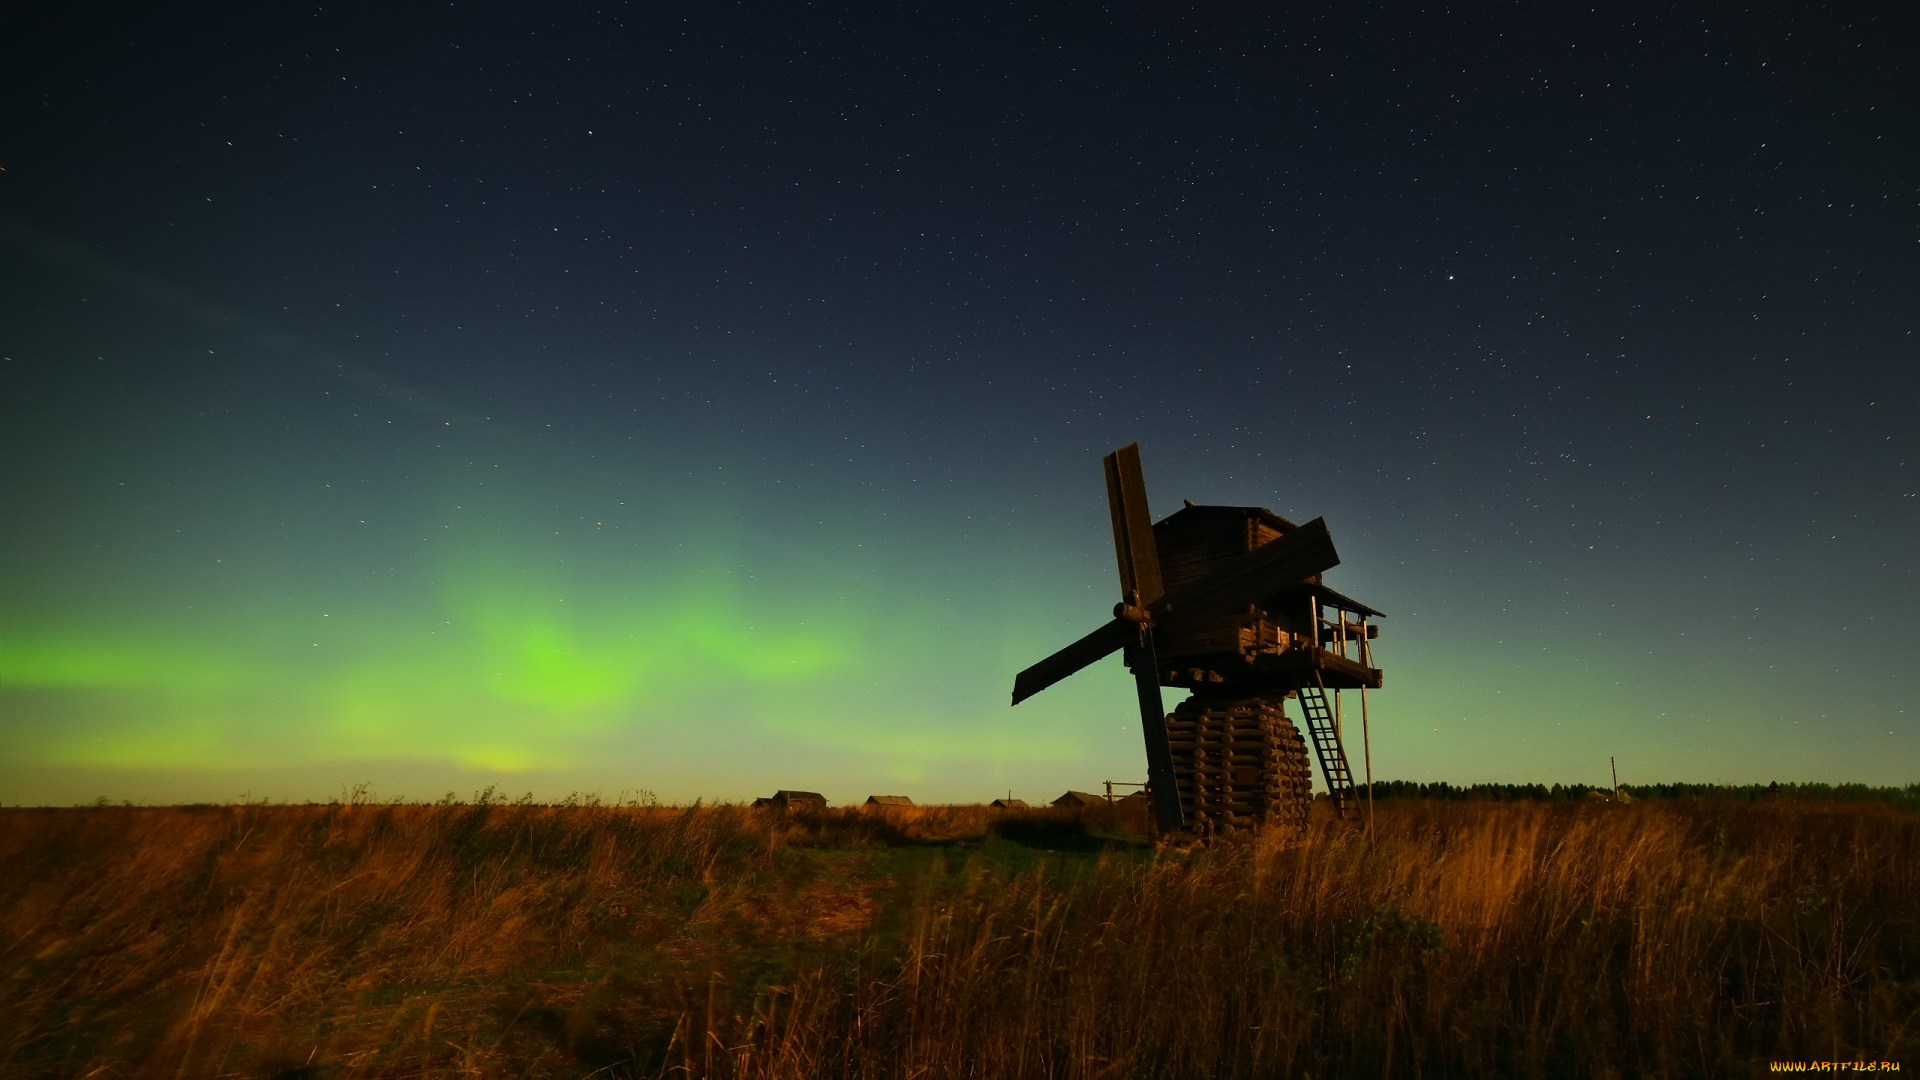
{"points": [[1326, 744]]}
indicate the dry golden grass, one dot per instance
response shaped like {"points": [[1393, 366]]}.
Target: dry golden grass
{"points": [[1467, 939]]}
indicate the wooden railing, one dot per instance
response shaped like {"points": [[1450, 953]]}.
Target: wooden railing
{"points": [[1345, 634]]}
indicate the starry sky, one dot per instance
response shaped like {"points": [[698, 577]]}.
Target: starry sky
{"points": [[702, 400]]}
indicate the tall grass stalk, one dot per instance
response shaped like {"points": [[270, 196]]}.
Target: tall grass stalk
{"points": [[1467, 939]]}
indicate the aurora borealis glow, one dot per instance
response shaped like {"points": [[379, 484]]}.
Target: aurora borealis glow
{"points": [[709, 403]]}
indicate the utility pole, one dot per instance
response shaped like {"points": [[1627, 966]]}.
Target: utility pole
{"points": [[1616, 777]]}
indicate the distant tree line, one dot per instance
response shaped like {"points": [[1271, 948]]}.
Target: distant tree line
{"points": [[1908, 796]]}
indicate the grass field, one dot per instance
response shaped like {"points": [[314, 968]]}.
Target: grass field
{"points": [[1469, 938]]}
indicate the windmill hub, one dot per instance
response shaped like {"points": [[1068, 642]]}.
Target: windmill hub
{"points": [[1227, 601]]}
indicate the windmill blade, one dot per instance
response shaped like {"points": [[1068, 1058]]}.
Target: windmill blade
{"points": [[1117, 634], [1153, 728], [1252, 577], [1139, 576], [1132, 527]]}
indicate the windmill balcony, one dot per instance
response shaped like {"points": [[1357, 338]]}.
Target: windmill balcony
{"points": [[1291, 640]]}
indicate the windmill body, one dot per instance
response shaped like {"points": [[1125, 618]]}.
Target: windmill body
{"points": [[1227, 601], [1281, 641]]}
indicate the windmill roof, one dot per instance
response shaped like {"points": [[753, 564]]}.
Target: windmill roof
{"points": [[1195, 514], [1328, 596], [1203, 516]]}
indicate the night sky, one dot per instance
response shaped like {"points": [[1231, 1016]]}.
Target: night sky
{"points": [[702, 401]]}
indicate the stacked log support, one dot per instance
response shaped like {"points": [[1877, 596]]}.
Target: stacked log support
{"points": [[1240, 764]]}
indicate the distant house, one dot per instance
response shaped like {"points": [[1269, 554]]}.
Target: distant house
{"points": [[1010, 804], [889, 800], [1079, 798], [785, 800]]}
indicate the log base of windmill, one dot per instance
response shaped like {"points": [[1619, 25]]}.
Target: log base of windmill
{"points": [[1240, 764]]}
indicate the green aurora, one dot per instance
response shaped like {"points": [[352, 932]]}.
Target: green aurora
{"points": [[498, 652]]}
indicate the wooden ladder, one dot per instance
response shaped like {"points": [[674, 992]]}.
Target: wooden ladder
{"points": [[1326, 743]]}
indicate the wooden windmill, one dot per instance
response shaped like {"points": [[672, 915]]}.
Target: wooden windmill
{"points": [[1226, 601]]}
